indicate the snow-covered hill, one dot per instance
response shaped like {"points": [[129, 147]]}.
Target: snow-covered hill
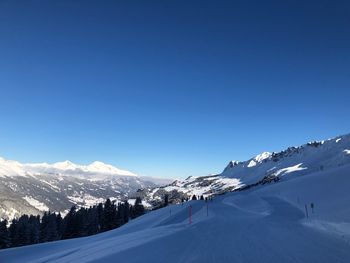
{"points": [[34, 188], [266, 223], [294, 161]]}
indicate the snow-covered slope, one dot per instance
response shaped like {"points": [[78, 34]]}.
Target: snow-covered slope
{"points": [[294, 161], [266, 223], [34, 188]]}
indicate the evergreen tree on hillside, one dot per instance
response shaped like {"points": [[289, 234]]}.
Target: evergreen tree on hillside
{"points": [[13, 233], [52, 234], [92, 221], [60, 226], [77, 223], [126, 212], [83, 222], [138, 208], [23, 231], [99, 216], [120, 214], [71, 224], [109, 216], [166, 200], [4, 235], [19, 232], [44, 228], [34, 229]]}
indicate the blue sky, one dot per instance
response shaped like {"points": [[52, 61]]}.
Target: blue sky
{"points": [[170, 88]]}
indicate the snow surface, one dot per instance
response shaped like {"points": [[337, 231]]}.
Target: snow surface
{"points": [[263, 224], [85, 199], [37, 204], [291, 169]]}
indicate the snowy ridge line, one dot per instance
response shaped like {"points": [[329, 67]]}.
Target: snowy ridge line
{"points": [[265, 167], [14, 168], [35, 188]]}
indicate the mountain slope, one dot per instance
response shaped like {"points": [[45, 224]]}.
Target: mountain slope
{"points": [[294, 161], [35, 188], [263, 224]]}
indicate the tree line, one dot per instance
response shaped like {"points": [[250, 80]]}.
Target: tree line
{"points": [[27, 230]]}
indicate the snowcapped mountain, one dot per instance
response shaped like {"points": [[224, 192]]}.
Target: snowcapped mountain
{"points": [[34, 188], [263, 224], [294, 161], [38, 187], [95, 170]]}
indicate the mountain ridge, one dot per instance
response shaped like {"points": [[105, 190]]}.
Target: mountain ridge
{"points": [[293, 161], [37, 187], [22, 169]]}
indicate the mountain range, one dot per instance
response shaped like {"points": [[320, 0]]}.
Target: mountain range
{"points": [[265, 167], [291, 206], [35, 188]]}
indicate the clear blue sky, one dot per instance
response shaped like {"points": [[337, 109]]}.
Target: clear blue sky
{"points": [[170, 88]]}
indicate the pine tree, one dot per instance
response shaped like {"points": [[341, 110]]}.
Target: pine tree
{"points": [[138, 208], [52, 234], [166, 200], [83, 222], [71, 224], [60, 226], [34, 229], [92, 221], [194, 197], [81, 218], [13, 233], [126, 212], [99, 216], [4, 235], [23, 231], [44, 228], [109, 216], [120, 214]]}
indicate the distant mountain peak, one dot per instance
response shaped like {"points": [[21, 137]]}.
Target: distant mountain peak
{"points": [[98, 166], [65, 165], [95, 169], [262, 156]]}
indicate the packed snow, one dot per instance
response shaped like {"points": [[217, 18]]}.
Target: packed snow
{"points": [[291, 169]]}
